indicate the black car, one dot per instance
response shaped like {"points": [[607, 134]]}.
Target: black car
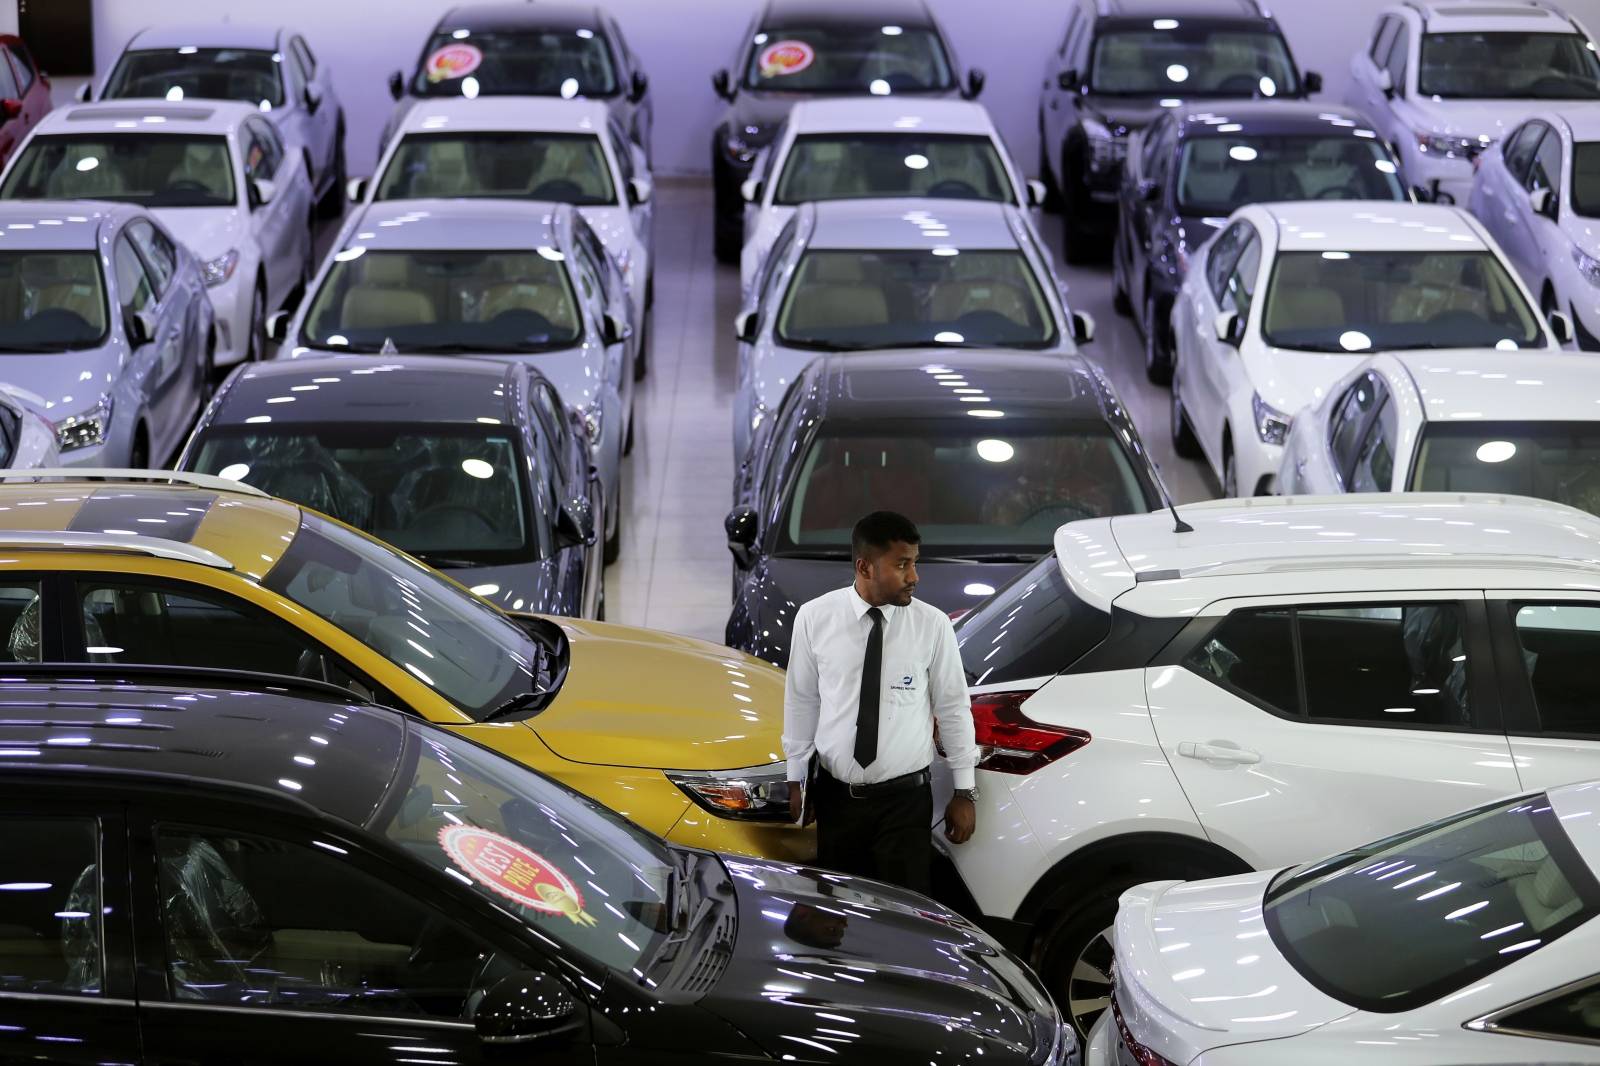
{"points": [[524, 49], [1195, 165], [989, 452], [474, 467], [213, 867], [1120, 64], [798, 49]]}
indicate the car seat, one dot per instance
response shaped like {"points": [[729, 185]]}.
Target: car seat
{"points": [[948, 301], [79, 298], [567, 171], [199, 164], [215, 928], [23, 642], [385, 297], [445, 173], [71, 180], [1307, 307], [549, 300], [1546, 896]]}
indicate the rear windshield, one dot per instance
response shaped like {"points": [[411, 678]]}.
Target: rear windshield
{"points": [[848, 59], [247, 74], [1035, 626], [560, 167], [1557, 461], [149, 169], [831, 166], [1399, 923], [563, 63], [1219, 175]]}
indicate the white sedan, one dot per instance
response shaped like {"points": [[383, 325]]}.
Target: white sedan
{"points": [[215, 173], [1468, 940], [1450, 421], [871, 148], [1289, 297]]}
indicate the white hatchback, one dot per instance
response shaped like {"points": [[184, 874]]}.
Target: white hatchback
{"points": [[1475, 421], [873, 147], [1289, 297]]}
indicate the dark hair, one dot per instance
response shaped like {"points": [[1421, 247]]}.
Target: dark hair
{"points": [[878, 530]]}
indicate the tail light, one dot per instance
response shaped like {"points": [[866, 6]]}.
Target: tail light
{"points": [[1010, 742], [1140, 1054], [955, 615]]}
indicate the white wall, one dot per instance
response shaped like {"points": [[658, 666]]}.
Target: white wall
{"points": [[683, 41]]}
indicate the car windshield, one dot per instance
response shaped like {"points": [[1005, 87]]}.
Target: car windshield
{"points": [[1557, 461], [1192, 60], [833, 166], [1508, 66], [51, 301], [848, 59], [842, 300], [566, 168], [247, 74], [1339, 301], [563, 63], [1465, 895], [445, 637], [1219, 175], [451, 496], [992, 490], [1586, 179], [445, 301], [150, 169], [572, 870]]}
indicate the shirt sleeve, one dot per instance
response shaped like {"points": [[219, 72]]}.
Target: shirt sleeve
{"points": [[952, 707], [802, 701]]}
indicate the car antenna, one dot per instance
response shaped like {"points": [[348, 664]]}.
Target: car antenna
{"points": [[1178, 524]]}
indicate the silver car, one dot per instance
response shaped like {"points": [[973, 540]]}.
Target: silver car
{"points": [[105, 329], [270, 67], [521, 281]]}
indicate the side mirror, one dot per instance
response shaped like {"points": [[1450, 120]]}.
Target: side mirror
{"points": [[278, 327], [1386, 83], [1561, 327], [313, 98], [744, 326], [641, 85], [524, 1006], [1037, 193], [1067, 80], [397, 84], [1082, 327], [975, 82], [356, 189], [750, 190], [11, 108], [741, 527], [1226, 326], [85, 92], [575, 523], [1312, 81], [262, 190], [1543, 203], [1149, 191], [141, 328], [613, 330], [721, 83], [638, 191]]}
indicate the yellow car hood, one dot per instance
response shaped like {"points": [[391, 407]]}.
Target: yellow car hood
{"points": [[639, 697]]}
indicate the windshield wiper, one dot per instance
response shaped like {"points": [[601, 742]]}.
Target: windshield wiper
{"points": [[985, 557], [441, 561], [522, 701]]}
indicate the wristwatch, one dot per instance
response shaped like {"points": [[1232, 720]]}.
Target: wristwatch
{"points": [[970, 794]]}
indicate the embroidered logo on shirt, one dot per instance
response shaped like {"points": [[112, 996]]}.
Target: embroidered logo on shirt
{"points": [[905, 683]]}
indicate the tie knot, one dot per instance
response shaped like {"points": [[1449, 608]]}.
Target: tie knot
{"points": [[875, 614]]}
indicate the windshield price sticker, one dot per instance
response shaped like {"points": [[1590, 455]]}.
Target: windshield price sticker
{"points": [[453, 61], [513, 871], [786, 57]]}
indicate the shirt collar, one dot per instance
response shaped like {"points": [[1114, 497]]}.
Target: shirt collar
{"points": [[861, 606]]}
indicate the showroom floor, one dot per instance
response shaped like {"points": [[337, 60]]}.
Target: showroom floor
{"points": [[674, 569]]}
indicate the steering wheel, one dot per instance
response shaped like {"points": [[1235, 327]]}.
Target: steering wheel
{"points": [[560, 190], [187, 185], [1339, 192]]}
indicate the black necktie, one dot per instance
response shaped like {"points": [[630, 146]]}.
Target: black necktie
{"points": [[867, 709]]}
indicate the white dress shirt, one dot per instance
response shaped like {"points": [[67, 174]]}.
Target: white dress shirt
{"points": [[921, 682]]}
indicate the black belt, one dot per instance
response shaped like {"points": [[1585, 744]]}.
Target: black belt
{"points": [[881, 788]]}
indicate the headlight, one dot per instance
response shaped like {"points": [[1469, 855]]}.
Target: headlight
{"points": [[740, 146], [1450, 146], [1587, 265], [758, 417], [216, 271], [1272, 425], [85, 430], [757, 793], [594, 422]]}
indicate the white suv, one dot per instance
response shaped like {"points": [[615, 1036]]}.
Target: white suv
{"points": [[1443, 79], [1289, 678]]}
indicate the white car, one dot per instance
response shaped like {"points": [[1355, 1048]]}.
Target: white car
{"points": [[1285, 679], [26, 439], [215, 173], [854, 148], [1538, 193], [528, 148], [1454, 422], [1471, 939], [855, 275], [1289, 297], [1444, 80]]}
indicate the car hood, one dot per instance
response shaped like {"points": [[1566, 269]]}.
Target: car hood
{"points": [[206, 231], [643, 698], [825, 963], [1289, 380], [1197, 970], [532, 586], [59, 384], [1468, 118]]}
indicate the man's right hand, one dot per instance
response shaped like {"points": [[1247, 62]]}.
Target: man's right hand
{"points": [[797, 804]]}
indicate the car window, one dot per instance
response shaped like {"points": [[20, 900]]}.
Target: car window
{"points": [[1560, 645], [20, 608], [516, 62], [1074, 23], [567, 168], [621, 147], [589, 275], [334, 938], [1033, 626], [1218, 175], [552, 416], [1350, 418], [1399, 57], [1151, 148], [22, 68], [1241, 285], [775, 257], [1384, 34], [302, 55], [1251, 653], [247, 74], [594, 256], [9, 89], [1374, 471], [849, 166], [1508, 65], [263, 151], [151, 169], [50, 908], [1557, 461], [1192, 58], [56, 301], [1224, 253], [134, 286], [847, 57], [1573, 1016], [1519, 153], [158, 251], [1546, 170]]}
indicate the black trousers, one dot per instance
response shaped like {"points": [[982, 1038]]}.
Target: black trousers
{"points": [[888, 837]]}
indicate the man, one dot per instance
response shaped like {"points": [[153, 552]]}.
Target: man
{"points": [[871, 669]]}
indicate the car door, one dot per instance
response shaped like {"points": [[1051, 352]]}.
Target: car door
{"points": [[156, 366], [353, 959], [1397, 62], [1546, 646], [1300, 726], [1344, 443], [1221, 372], [641, 112], [641, 215], [66, 952], [178, 335], [1364, 93], [1540, 231], [1140, 211], [1501, 190], [322, 117], [281, 226]]}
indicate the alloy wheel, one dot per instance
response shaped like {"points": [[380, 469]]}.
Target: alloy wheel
{"points": [[1089, 985]]}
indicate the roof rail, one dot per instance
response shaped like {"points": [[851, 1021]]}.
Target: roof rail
{"points": [[1261, 565], [153, 673], [71, 540], [175, 477]]}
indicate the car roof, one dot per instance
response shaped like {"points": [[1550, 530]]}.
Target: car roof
{"points": [[455, 224], [542, 113], [60, 224], [216, 34], [487, 18], [905, 222], [154, 117], [1495, 386], [1222, 9], [1457, 16], [1574, 808], [890, 114], [1309, 226], [1584, 123], [1264, 117], [412, 389], [335, 755], [798, 13], [891, 386]]}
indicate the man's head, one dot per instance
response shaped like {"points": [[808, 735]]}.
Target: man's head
{"points": [[885, 548]]}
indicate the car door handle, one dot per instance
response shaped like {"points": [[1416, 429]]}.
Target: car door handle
{"points": [[1218, 752]]}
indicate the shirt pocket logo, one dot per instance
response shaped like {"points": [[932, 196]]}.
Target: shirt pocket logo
{"points": [[905, 683]]}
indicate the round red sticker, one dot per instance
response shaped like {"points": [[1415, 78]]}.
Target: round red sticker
{"points": [[453, 61], [786, 57], [513, 871]]}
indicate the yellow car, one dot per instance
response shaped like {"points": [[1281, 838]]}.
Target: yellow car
{"points": [[681, 736]]}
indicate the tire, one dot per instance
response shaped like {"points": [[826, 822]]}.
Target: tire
{"points": [[332, 203], [1157, 345], [257, 342], [139, 454], [1183, 438]]}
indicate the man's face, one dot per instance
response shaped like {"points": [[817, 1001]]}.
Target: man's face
{"points": [[891, 577]]}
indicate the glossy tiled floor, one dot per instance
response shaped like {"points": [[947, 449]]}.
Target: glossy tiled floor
{"points": [[674, 570]]}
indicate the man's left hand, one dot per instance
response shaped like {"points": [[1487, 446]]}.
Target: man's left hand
{"points": [[960, 819]]}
